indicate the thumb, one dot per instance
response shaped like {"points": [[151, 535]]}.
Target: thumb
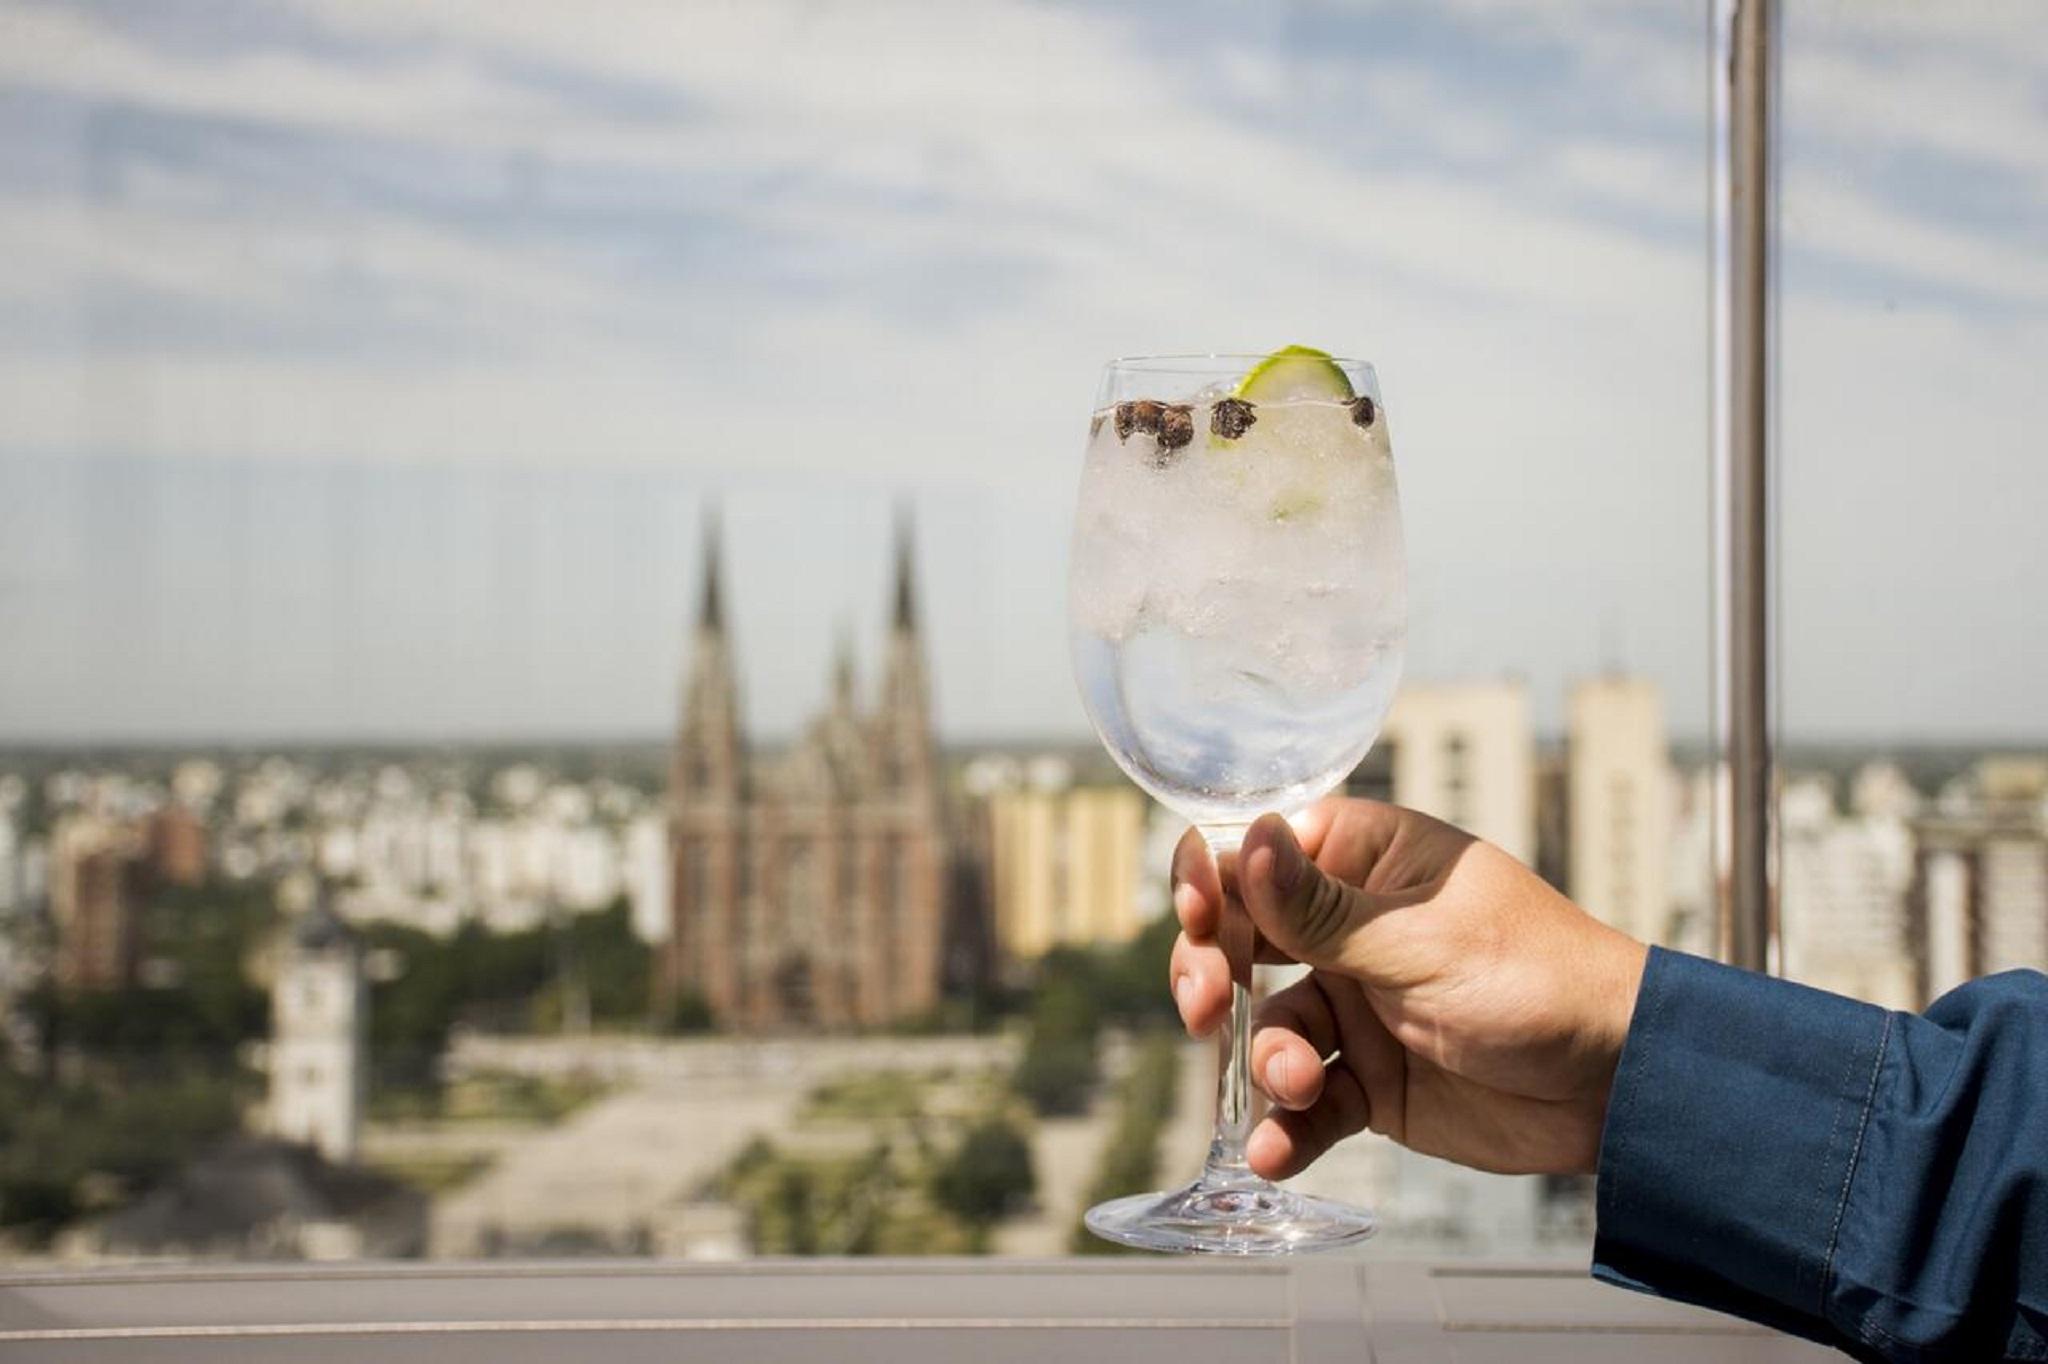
{"points": [[1311, 916]]}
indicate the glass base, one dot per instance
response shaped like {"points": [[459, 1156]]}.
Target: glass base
{"points": [[1230, 1212]]}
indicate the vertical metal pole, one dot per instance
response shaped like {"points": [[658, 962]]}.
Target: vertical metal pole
{"points": [[1745, 33]]}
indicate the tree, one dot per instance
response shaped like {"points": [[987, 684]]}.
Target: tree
{"points": [[1058, 1071], [988, 1175], [1131, 985], [617, 967], [1057, 1074], [786, 1218], [504, 980], [1130, 1159], [204, 934], [130, 1123], [686, 1012]]}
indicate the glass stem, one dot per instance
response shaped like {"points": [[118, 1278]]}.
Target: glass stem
{"points": [[1234, 1107], [1234, 1087]]}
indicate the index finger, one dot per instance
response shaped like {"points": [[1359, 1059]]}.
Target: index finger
{"points": [[1197, 888]]}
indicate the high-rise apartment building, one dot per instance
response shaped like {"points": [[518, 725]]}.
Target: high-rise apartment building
{"points": [[94, 906], [1466, 752], [175, 844], [1843, 883], [1618, 790], [1980, 893], [1064, 866], [808, 888]]}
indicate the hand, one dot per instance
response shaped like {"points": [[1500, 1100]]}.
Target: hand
{"points": [[1476, 1014]]}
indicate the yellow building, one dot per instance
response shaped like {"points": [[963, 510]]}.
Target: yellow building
{"points": [[1620, 792], [1466, 752], [1065, 866]]}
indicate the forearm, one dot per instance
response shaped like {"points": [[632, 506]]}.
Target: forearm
{"points": [[1875, 1180]]}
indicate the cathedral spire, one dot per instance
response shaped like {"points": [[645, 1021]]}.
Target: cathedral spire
{"points": [[903, 726], [711, 613], [843, 677], [708, 749], [906, 594]]}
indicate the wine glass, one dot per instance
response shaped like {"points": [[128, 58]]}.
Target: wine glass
{"points": [[1237, 607]]}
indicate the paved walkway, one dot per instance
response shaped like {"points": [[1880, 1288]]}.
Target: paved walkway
{"points": [[610, 1167], [627, 1161]]}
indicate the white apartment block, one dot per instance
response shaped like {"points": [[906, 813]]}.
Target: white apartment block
{"points": [[647, 876], [1844, 883]]}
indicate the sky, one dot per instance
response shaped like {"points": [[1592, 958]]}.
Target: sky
{"points": [[367, 369]]}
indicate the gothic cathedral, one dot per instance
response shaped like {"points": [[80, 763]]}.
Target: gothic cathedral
{"points": [[809, 887]]}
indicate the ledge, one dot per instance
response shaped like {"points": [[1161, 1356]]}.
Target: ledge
{"points": [[1359, 1311]]}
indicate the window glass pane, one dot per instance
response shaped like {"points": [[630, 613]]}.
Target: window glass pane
{"points": [[1914, 325], [534, 664]]}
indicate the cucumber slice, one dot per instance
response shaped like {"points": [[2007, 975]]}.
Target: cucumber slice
{"points": [[1295, 372]]}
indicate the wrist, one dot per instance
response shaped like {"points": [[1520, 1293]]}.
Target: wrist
{"points": [[1634, 957], [1614, 1001]]}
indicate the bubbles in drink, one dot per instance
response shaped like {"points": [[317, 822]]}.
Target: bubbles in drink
{"points": [[1238, 607]]}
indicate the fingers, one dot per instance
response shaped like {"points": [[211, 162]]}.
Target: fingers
{"points": [[1312, 826], [1199, 976], [1197, 887], [1355, 836], [1294, 1030], [1319, 1106], [1198, 972], [1311, 916], [1286, 1142], [1373, 1058], [1199, 897]]}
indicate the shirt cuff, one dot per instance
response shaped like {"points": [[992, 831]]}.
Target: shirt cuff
{"points": [[1732, 1130]]}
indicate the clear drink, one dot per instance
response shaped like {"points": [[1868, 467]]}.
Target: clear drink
{"points": [[1239, 610], [1238, 616]]}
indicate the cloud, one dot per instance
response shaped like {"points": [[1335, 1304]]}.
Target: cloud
{"points": [[373, 175], [839, 249]]}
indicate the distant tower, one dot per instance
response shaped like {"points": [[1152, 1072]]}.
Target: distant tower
{"points": [[1619, 784], [902, 972], [318, 1020], [1466, 753], [93, 904], [707, 790], [175, 846]]}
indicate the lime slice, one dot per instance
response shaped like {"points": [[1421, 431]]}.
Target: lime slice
{"points": [[1295, 504], [1296, 372]]}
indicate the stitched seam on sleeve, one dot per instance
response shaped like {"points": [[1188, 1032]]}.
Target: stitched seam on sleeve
{"points": [[1855, 1151], [1836, 1113]]}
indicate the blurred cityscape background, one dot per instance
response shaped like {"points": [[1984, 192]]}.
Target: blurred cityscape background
{"points": [[534, 715]]}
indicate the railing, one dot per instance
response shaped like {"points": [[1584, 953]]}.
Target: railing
{"points": [[1743, 84]]}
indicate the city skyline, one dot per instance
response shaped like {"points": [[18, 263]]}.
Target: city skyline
{"points": [[556, 880]]}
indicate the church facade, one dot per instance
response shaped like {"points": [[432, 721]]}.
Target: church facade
{"points": [[809, 886]]}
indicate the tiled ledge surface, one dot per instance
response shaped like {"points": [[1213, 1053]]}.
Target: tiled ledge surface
{"points": [[1360, 1311]]}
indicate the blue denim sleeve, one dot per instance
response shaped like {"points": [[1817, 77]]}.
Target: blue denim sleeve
{"points": [[1874, 1180]]}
